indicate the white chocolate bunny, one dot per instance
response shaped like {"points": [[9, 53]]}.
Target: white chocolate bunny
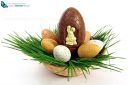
{"points": [[70, 39]]}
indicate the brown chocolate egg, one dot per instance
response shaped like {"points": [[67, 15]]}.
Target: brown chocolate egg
{"points": [[71, 29]]}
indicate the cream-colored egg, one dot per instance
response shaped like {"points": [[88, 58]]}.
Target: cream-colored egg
{"points": [[62, 53], [97, 42], [90, 49]]}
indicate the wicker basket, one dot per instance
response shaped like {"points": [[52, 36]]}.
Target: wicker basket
{"points": [[64, 72], [61, 70]]}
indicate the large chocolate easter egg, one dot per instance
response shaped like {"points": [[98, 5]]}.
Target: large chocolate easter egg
{"points": [[71, 29]]}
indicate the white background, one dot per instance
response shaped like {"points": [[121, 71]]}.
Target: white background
{"points": [[14, 70]]}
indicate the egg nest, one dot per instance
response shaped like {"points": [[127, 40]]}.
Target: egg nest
{"points": [[31, 46]]}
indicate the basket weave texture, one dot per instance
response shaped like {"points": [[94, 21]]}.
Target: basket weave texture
{"points": [[61, 70]]}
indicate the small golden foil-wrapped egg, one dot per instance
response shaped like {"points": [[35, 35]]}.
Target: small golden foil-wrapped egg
{"points": [[48, 34], [49, 45], [90, 49]]}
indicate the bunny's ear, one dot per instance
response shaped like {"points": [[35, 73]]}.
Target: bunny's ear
{"points": [[73, 29], [68, 28]]}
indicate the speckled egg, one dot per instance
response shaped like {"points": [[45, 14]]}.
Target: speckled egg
{"points": [[90, 49], [62, 53]]}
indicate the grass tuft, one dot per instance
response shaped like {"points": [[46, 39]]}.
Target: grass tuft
{"points": [[31, 46]]}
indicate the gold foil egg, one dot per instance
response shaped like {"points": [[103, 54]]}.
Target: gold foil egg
{"points": [[48, 34], [90, 49], [49, 45]]}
